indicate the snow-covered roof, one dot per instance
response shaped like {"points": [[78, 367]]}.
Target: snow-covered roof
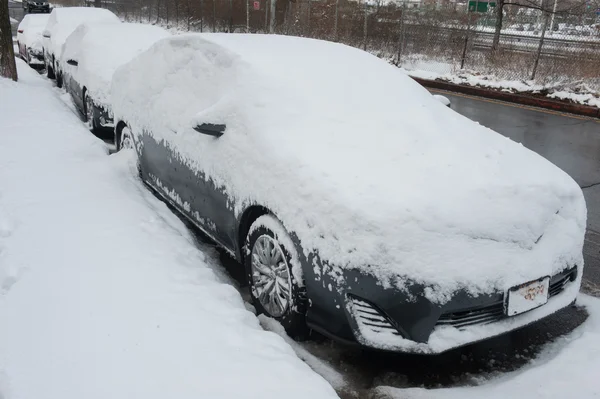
{"points": [[100, 48], [63, 21], [32, 26], [357, 159]]}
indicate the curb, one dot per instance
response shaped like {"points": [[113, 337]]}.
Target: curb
{"points": [[524, 99]]}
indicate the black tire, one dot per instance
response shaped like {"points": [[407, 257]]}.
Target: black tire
{"points": [[89, 118], [50, 72], [123, 129], [59, 80], [294, 318]]}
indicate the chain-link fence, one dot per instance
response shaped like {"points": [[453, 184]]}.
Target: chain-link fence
{"points": [[548, 41]]}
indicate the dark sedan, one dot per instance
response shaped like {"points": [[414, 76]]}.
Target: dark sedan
{"points": [[359, 205]]}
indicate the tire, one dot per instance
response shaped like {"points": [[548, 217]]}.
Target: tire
{"points": [[59, 80], [269, 256], [88, 109], [50, 72], [124, 138]]}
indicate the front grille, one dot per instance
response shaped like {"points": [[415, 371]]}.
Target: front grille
{"points": [[479, 315], [494, 312], [557, 284], [368, 316]]}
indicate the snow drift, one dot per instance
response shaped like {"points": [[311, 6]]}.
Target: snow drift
{"points": [[362, 163], [103, 292]]}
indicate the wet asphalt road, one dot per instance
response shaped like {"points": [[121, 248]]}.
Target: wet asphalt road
{"points": [[16, 12]]}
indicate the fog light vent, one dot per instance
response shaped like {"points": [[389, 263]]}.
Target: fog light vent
{"points": [[369, 317]]}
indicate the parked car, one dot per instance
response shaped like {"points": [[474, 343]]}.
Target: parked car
{"points": [[90, 56], [29, 39], [360, 206], [36, 6], [61, 24]]}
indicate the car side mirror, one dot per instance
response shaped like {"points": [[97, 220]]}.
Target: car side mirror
{"points": [[443, 100], [72, 62], [46, 34], [211, 129]]}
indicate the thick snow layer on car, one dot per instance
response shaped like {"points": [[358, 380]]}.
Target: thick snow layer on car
{"points": [[104, 293], [32, 26], [567, 368], [63, 21], [101, 48], [358, 160]]}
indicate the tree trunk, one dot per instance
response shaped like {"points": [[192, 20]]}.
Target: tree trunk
{"points": [[8, 67], [498, 28]]}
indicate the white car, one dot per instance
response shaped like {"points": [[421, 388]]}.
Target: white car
{"points": [[360, 205], [29, 38], [61, 24], [90, 56]]}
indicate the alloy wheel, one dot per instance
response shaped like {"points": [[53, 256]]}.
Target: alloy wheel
{"points": [[271, 278]]}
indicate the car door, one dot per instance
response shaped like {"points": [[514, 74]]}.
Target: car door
{"points": [[193, 193], [73, 86]]}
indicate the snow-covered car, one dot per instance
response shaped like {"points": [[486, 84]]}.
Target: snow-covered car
{"points": [[61, 24], [90, 56], [29, 38], [360, 205]]}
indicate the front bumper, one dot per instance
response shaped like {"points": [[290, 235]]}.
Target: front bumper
{"points": [[35, 57], [103, 117], [405, 321]]}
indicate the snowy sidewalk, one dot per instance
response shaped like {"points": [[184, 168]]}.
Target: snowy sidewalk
{"points": [[103, 293]]}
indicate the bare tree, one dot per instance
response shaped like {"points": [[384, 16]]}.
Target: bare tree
{"points": [[8, 68]]}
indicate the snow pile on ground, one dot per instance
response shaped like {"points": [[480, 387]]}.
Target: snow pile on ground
{"points": [[361, 162], [576, 93], [101, 48], [63, 21], [103, 293], [32, 25], [569, 367]]}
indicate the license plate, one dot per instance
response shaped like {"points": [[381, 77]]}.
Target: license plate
{"points": [[528, 296]]}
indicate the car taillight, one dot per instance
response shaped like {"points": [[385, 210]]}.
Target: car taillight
{"points": [[20, 31]]}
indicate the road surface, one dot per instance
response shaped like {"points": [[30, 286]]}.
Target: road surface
{"points": [[15, 12]]}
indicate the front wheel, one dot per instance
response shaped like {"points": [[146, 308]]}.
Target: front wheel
{"points": [[124, 139], [89, 112], [50, 72], [274, 289]]}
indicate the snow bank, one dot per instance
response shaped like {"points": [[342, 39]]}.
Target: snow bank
{"points": [[63, 21], [361, 162], [567, 368], [103, 292], [32, 26], [575, 92], [101, 48]]}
